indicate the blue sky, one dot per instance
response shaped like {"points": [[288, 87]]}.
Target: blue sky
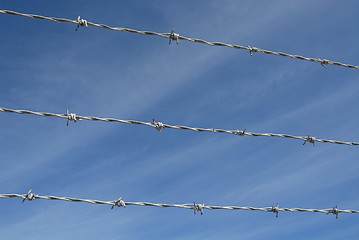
{"points": [[48, 67]]}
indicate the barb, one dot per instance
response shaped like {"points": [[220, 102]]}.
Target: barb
{"points": [[172, 36], [275, 210], [159, 126], [334, 211], [310, 140], [119, 203], [70, 117], [252, 50], [29, 196], [241, 133], [193, 206], [198, 208], [81, 22]]}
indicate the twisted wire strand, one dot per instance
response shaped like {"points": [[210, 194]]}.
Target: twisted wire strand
{"points": [[185, 206], [323, 62], [178, 127]]}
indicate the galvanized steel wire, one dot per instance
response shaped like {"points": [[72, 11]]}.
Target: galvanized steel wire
{"points": [[176, 37], [159, 126], [196, 207]]}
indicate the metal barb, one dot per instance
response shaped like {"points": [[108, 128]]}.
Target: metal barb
{"points": [[324, 62], [158, 125], [173, 36], [198, 207], [81, 22], [275, 210], [240, 132], [29, 196], [70, 117], [252, 50], [310, 140], [335, 211], [119, 203]]}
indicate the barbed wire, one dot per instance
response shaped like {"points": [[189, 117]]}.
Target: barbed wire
{"points": [[196, 207], [160, 126], [176, 37]]}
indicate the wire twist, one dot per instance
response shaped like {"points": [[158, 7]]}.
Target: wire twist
{"points": [[176, 37], [195, 207], [159, 126]]}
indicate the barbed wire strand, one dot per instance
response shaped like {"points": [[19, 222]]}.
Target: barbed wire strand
{"points": [[159, 126], [176, 37], [196, 207]]}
